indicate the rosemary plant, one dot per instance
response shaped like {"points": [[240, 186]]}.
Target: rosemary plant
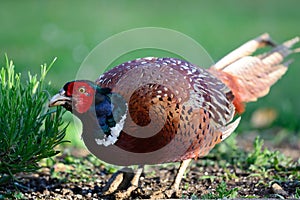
{"points": [[29, 131]]}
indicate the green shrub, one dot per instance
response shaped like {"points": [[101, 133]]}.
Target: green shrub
{"points": [[29, 131], [262, 158], [222, 192]]}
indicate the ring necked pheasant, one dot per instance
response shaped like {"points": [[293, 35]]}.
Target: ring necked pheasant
{"points": [[157, 110]]}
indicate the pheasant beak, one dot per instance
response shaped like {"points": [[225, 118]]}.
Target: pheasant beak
{"points": [[60, 99]]}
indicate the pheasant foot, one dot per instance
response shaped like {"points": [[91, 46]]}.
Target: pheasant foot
{"points": [[174, 190], [123, 183]]}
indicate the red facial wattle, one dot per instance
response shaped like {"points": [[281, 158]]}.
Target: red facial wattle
{"points": [[82, 94]]}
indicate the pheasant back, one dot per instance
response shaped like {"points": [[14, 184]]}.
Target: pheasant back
{"points": [[176, 110]]}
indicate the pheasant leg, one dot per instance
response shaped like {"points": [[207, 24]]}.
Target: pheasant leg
{"points": [[120, 181], [174, 189], [175, 186], [134, 183]]}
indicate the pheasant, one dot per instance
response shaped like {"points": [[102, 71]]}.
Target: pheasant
{"points": [[157, 110]]}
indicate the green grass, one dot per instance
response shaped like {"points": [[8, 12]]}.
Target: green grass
{"points": [[36, 32], [297, 194], [261, 163], [222, 192], [259, 159]]}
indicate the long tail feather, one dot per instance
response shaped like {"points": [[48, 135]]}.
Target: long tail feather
{"points": [[250, 77]]}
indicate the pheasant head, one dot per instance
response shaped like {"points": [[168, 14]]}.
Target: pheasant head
{"points": [[86, 99]]}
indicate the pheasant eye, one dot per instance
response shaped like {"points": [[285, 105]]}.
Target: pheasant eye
{"points": [[81, 90]]}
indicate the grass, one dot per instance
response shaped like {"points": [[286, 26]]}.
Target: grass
{"points": [[297, 194], [259, 159], [260, 163], [222, 192], [60, 31]]}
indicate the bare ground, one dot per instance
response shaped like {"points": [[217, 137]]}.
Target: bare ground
{"points": [[84, 178]]}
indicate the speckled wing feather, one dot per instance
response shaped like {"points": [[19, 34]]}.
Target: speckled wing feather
{"points": [[173, 105]]}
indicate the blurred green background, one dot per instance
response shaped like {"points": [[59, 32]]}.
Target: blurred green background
{"points": [[34, 32]]}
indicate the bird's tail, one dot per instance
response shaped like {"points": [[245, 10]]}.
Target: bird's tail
{"points": [[251, 76]]}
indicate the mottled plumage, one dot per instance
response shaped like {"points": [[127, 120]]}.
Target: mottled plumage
{"points": [[156, 110], [189, 107]]}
